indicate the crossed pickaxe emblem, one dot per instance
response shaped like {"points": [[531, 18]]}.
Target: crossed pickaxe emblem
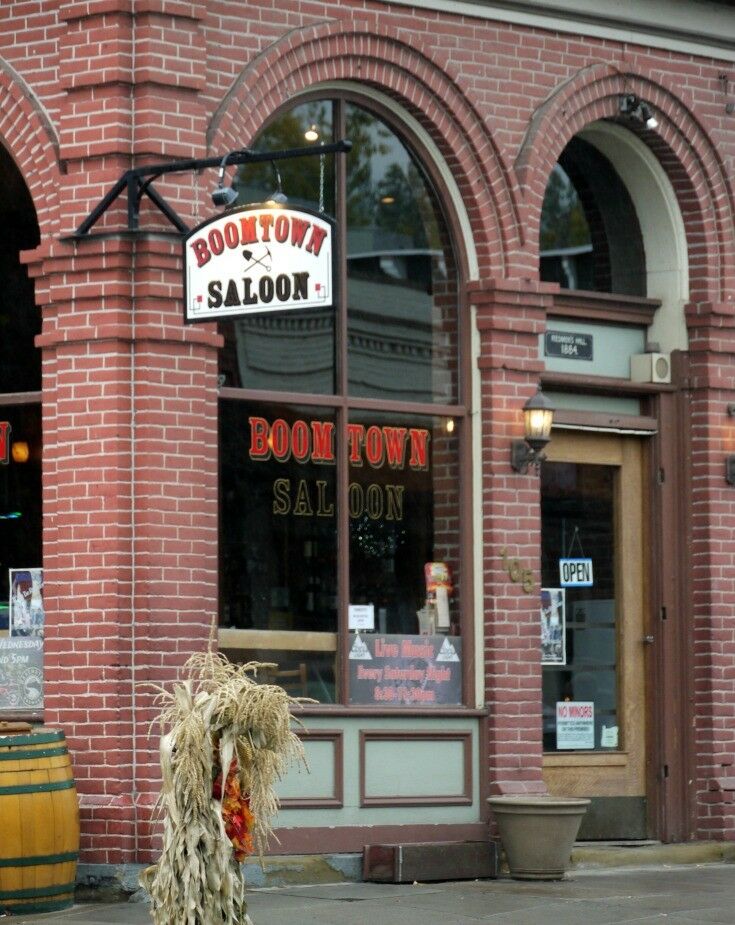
{"points": [[265, 260]]}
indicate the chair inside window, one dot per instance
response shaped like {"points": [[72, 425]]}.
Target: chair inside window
{"points": [[292, 680]]}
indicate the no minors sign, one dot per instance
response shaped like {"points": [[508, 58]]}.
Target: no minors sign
{"points": [[260, 258]]}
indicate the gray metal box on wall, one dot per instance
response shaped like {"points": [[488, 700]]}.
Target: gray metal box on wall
{"points": [[650, 367]]}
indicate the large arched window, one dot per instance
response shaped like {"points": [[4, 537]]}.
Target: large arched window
{"points": [[341, 429], [20, 393], [590, 238]]}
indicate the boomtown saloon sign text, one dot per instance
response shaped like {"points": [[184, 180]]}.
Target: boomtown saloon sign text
{"points": [[314, 442], [261, 258]]}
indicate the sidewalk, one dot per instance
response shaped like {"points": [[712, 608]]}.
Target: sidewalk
{"points": [[680, 895]]}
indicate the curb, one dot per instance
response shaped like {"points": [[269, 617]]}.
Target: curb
{"points": [[119, 883], [594, 856]]}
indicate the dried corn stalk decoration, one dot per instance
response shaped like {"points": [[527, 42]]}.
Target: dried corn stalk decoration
{"points": [[229, 740]]}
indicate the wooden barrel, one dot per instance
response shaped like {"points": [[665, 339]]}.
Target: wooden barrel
{"points": [[39, 823]]}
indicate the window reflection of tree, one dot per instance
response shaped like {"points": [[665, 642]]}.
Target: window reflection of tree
{"points": [[589, 237], [300, 177], [402, 323]]}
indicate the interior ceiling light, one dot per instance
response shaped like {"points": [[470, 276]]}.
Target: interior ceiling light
{"points": [[20, 451], [312, 133], [633, 106], [387, 200]]}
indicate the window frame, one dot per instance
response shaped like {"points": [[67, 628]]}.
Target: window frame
{"points": [[342, 404]]}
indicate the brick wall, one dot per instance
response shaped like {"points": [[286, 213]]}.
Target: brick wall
{"points": [[129, 395]]}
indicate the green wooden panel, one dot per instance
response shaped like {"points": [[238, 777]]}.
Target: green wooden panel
{"points": [[414, 768]]}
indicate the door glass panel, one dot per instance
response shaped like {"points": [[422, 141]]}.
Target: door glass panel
{"points": [[578, 524]]}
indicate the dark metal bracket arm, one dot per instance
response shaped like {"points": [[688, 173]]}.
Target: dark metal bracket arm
{"points": [[138, 181]]}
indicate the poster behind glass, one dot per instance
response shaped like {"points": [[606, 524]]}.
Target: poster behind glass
{"points": [[553, 627]]}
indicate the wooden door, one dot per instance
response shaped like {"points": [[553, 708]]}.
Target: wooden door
{"points": [[593, 512]]}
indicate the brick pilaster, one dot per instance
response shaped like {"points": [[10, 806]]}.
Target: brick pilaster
{"points": [[712, 368], [510, 318]]}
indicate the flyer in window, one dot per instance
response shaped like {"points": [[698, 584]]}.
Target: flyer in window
{"points": [[21, 674], [405, 670], [26, 602], [553, 626]]}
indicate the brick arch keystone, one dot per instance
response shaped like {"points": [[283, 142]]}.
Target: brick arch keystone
{"points": [[27, 133], [426, 87], [680, 143]]}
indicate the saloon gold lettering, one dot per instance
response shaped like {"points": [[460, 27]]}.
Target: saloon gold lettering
{"points": [[307, 499]]}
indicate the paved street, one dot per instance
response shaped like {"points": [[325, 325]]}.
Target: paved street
{"points": [[684, 895]]}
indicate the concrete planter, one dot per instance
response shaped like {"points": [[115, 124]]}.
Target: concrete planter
{"points": [[537, 833]]}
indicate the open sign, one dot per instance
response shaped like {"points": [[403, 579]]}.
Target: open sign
{"points": [[575, 573]]}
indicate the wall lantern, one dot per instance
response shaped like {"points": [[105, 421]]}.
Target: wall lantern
{"points": [[20, 451], [730, 460], [538, 416]]}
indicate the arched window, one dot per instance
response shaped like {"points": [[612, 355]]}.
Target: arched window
{"points": [[20, 392], [341, 429], [590, 238]]}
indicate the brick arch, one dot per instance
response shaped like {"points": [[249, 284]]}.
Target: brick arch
{"points": [[680, 144], [28, 135], [425, 87]]}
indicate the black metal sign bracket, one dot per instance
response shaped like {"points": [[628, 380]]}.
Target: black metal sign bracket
{"points": [[139, 181]]}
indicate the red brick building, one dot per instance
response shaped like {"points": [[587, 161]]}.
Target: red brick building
{"points": [[538, 193]]}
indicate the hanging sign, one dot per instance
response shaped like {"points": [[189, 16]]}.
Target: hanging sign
{"points": [[575, 573], [261, 258]]}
